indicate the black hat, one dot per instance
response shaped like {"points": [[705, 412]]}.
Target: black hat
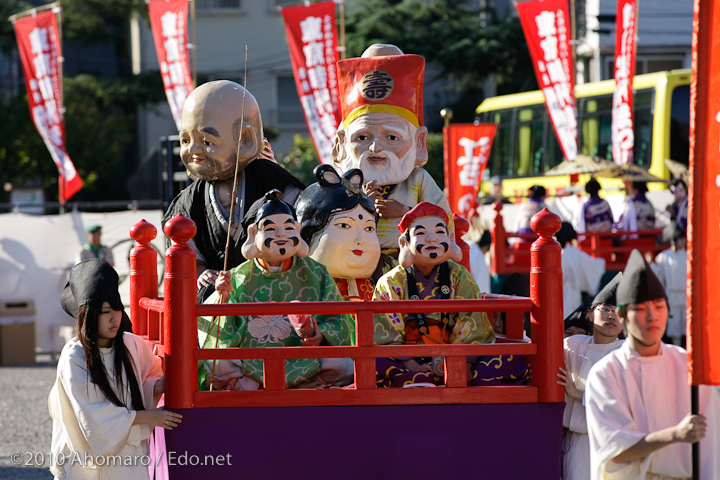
{"points": [[639, 283], [608, 294], [272, 205], [566, 234], [578, 318], [332, 193], [92, 282]]}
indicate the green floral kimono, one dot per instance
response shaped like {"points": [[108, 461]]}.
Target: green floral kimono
{"points": [[306, 280]]}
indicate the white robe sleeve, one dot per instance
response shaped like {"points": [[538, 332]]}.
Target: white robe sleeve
{"points": [[611, 427], [85, 421], [93, 424]]}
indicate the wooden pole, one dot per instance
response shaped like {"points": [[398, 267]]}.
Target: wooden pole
{"points": [[573, 38], [695, 409], [31, 11], [194, 42], [342, 29]]}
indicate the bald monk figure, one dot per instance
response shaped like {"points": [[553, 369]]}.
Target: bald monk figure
{"points": [[210, 144]]}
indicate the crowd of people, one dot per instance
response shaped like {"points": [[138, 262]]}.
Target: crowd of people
{"points": [[377, 229]]}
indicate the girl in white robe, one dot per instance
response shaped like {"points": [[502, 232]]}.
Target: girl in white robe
{"points": [[106, 377], [581, 353]]}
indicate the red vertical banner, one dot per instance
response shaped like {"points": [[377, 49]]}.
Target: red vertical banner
{"points": [[546, 25], [622, 135], [467, 149], [39, 47], [168, 20], [312, 41], [703, 330]]}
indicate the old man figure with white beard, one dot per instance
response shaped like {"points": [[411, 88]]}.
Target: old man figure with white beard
{"points": [[382, 134]]}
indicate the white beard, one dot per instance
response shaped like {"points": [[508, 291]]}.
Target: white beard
{"points": [[394, 171]]}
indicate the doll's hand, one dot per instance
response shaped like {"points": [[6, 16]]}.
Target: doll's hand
{"points": [[390, 208], [303, 324], [372, 190], [570, 389], [317, 337], [207, 278], [223, 284]]}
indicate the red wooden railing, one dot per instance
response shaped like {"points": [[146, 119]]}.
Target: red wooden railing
{"points": [[171, 324], [614, 247]]}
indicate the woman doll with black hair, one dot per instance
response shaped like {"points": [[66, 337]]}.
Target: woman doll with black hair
{"points": [[107, 384], [339, 223]]}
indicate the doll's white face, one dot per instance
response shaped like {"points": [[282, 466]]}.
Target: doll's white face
{"points": [[429, 241], [278, 238], [383, 146], [348, 245]]}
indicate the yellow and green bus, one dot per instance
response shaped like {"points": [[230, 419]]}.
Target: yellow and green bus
{"points": [[525, 145]]}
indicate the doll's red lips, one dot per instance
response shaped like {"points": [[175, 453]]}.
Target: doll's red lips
{"points": [[376, 158], [358, 252]]}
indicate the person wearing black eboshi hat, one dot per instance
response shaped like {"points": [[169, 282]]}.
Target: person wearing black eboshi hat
{"points": [[581, 353], [107, 383], [638, 398]]}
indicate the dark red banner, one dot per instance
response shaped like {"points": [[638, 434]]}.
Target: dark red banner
{"points": [[467, 149], [703, 331], [312, 40], [39, 47], [168, 20], [546, 24], [622, 136]]}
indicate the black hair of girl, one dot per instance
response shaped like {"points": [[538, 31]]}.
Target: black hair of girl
{"points": [[641, 187], [87, 327], [537, 192], [592, 187], [678, 181], [329, 195]]}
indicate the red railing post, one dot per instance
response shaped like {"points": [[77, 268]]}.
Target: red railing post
{"points": [[364, 366], [143, 274], [499, 238], [546, 292], [180, 307]]}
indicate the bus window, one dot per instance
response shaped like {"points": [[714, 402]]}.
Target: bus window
{"points": [[596, 126], [595, 121], [643, 119], [680, 124], [500, 160], [528, 151]]}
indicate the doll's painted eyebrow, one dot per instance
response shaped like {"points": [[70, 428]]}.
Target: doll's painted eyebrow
{"points": [[211, 131], [265, 222], [419, 227]]}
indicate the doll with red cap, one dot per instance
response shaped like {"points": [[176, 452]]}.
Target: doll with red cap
{"points": [[428, 270], [382, 133]]}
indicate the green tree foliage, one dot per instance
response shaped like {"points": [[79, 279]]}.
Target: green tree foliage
{"points": [[464, 43], [301, 160]]}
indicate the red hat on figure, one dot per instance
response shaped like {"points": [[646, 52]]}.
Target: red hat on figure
{"points": [[391, 84], [422, 209]]}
